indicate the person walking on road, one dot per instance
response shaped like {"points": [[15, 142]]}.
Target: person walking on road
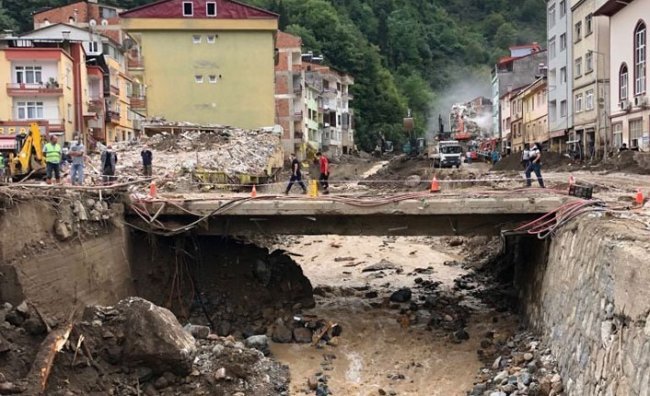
{"points": [[296, 176], [77, 153], [53, 155], [535, 165], [109, 159], [147, 160], [324, 164]]}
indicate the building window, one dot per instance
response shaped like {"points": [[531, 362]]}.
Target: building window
{"points": [[563, 108], [212, 79], [622, 83], [578, 67], [577, 32], [636, 130], [30, 110], [551, 48], [69, 113], [551, 16], [639, 59], [589, 62], [93, 46], [188, 8], [563, 75], [578, 103], [211, 9], [618, 134], [209, 38], [68, 77], [589, 27], [29, 75], [562, 41], [562, 8], [552, 110], [198, 79], [196, 38], [589, 100]]}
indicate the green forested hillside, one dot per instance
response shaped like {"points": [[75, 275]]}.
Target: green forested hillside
{"points": [[402, 53]]}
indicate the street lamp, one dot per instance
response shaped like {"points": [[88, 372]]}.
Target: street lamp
{"points": [[590, 52]]}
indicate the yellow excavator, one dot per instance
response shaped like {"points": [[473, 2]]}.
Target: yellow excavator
{"points": [[29, 159]]}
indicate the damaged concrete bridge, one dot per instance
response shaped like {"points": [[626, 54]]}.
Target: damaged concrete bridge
{"points": [[409, 214]]}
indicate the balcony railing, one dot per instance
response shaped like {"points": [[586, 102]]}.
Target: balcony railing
{"points": [[112, 116], [22, 89], [96, 105], [135, 63], [138, 102], [115, 90]]}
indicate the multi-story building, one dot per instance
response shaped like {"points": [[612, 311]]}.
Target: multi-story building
{"points": [[221, 67], [628, 103], [87, 14], [522, 67], [517, 121], [590, 77], [560, 71], [43, 83], [535, 112], [336, 111], [110, 119], [290, 93]]}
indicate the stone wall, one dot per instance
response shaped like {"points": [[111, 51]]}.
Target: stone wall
{"points": [[590, 297]]}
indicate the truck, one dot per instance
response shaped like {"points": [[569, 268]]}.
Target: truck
{"points": [[446, 153]]}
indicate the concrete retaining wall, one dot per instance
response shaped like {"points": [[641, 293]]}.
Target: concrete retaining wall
{"points": [[591, 299], [58, 276]]}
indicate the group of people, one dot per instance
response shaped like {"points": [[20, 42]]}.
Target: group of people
{"points": [[75, 155], [296, 174]]}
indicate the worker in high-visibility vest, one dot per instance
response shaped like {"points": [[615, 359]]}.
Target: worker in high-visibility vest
{"points": [[53, 155]]}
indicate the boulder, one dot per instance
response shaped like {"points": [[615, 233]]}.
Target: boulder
{"points": [[302, 335], [154, 338], [281, 333], [401, 295], [259, 342], [412, 181]]}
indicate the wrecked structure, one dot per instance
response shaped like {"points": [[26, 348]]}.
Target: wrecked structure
{"points": [[471, 120]]}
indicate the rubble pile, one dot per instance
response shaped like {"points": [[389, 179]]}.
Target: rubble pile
{"points": [[520, 365], [228, 150], [133, 348]]}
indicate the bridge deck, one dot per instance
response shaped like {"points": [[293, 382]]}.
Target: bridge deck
{"points": [[406, 214]]}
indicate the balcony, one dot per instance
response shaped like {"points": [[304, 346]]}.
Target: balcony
{"points": [[96, 105], [135, 62], [115, 90], [297, 89], [138, 102], [297, 116], [22, 89], [113, 116], [347, 96], [330, 93]]}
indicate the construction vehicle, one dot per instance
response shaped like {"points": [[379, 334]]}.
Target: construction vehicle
{"points": [[28, 159], [446, 153]]}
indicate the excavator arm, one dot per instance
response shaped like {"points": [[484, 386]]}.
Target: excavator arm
{"points": [[29, 157]]}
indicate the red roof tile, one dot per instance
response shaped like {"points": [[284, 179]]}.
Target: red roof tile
{"points": [[226, 9]]}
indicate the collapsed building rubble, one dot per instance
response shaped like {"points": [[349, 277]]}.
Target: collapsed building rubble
{"points": [[188, 153]]}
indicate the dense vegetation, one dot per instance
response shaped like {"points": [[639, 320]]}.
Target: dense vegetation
{"points": [[401, 52]]}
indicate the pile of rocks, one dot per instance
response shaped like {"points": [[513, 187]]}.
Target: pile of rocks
{"points": [[216, 148], [84, 214], [522, 366]]}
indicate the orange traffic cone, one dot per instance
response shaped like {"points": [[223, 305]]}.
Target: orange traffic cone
{"points": [[435, 186], [153, 190], [639, 199], [254, 191]]}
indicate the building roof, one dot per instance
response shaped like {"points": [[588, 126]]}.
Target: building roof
{"points": [[286, 40], [226, 9], [611, 7], [77, 33], [45, 9], [534, 46]]}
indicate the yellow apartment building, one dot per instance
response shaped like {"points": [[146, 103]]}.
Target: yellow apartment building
{"points": [[203, 61], [535, 112]]}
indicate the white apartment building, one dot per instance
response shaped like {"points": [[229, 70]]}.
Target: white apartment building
{"points": [[629, 105], [560, 70]]}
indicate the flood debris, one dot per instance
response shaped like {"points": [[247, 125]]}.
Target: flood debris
{"points": [[132, 348]]}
